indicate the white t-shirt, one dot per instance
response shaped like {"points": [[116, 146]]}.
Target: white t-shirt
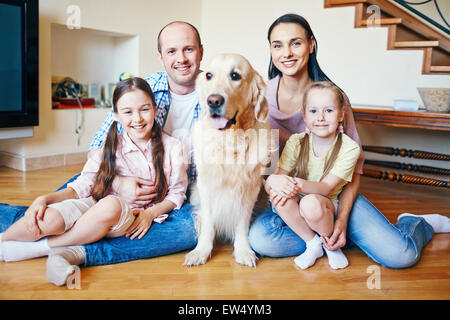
{"points": [[181, 114]]}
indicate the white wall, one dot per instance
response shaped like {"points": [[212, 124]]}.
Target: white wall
{"points": [[142, 18], [356, 59]]}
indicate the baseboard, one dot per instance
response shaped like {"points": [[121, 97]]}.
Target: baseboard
{"points": [[23, 163]]}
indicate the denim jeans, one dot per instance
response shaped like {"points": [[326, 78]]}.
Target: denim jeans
{"points": [[391, 246], [176, 233]]}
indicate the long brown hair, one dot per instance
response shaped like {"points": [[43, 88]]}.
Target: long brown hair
{"points": [[303, 157], [107, 170]]}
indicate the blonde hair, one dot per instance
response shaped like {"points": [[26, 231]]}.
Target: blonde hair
{"points": [[303, 157]]}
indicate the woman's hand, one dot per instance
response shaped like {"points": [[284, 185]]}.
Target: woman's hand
{"points": [[141, 224], [338, 238], [34, 213], [282, 185]]}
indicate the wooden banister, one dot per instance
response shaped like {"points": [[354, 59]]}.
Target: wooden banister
{"points": [[405, 178], [409, 167], [417, 154]]}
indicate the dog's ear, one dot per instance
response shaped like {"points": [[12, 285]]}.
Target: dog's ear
{"points": [[258, 98]]}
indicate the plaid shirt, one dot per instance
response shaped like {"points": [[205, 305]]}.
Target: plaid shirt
{"points": [[160, 87]]}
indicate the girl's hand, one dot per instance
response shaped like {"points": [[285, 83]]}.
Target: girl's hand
{"points": [[34, 213], [338, 238], [298, 184], [281, 184], [276, 199], [141, 224]]}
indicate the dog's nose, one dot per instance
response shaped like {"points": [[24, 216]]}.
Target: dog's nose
{"points": [[215, 101]]}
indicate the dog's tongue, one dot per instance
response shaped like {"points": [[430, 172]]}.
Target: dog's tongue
{"points": [[219, 122]]}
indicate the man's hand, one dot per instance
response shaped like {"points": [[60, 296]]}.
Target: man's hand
{"points": [[134, 190]]}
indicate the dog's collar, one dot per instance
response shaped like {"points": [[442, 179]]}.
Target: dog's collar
{"points": [[230, 122]]}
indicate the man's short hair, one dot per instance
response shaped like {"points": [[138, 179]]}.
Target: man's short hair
{"points": [[187, 23]]}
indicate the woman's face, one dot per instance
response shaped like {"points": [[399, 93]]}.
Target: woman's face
{"points": [[290, 48]]}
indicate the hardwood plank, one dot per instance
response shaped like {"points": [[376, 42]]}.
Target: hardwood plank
{"points": [[221, 278]]}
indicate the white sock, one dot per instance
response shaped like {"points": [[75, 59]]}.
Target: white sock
{"points": [[439, 223], [312, 253], [61, 262], [336, 258], [23, 250]]}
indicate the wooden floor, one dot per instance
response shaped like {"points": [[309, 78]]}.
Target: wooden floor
{"points": [[221, 278]]}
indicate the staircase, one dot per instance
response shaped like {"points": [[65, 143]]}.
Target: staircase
{"points": [[405, 31]]}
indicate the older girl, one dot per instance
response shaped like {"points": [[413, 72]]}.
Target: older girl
{"points": [[88, 209]]}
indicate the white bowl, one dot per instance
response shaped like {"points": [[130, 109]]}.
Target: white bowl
{"points": [[435, 99]]}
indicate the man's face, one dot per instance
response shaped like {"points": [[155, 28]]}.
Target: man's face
{"points": [[180, 55]]}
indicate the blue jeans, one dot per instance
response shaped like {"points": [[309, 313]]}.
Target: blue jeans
{"points": [[177, 233], [391, 246]]}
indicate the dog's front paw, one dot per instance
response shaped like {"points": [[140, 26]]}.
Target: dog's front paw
{"points": [[195, 258], [245, 257]]}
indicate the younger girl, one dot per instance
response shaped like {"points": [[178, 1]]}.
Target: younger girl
{"points": [[317, 164], [87, 210]]}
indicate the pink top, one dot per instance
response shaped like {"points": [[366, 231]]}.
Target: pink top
{"points": [[289, 124], [130, 161]]}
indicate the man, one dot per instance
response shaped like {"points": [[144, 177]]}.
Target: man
{"points": [[180, 51]]}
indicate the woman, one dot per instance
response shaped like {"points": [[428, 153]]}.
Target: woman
{"points": [[293, 66]]}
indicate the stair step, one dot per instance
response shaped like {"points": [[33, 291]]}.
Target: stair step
{"points": [[416, 44], [443, 69], [382, 21], [342, 3]]}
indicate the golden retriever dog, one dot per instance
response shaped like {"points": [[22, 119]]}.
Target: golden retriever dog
{"points": [[231, 148]]}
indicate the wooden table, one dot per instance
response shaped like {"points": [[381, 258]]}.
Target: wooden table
{"points": [[404, 119]]}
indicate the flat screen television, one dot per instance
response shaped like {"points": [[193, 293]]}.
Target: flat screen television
{"points": [[19, 63]]}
